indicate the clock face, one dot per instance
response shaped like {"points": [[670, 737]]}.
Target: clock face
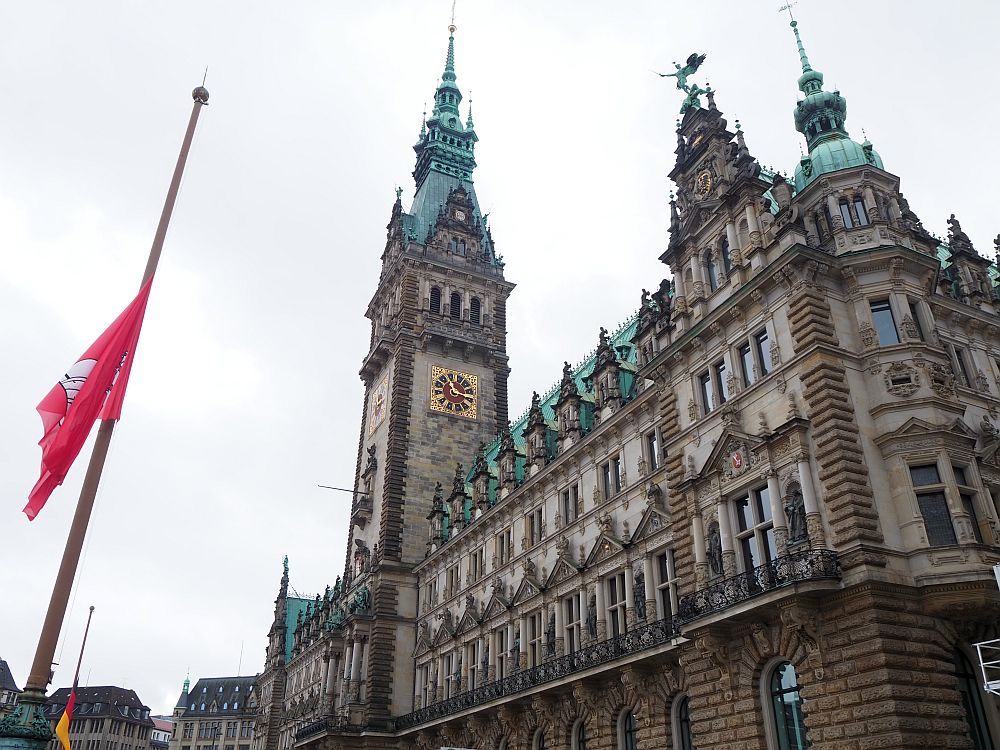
{"points": [[460, 215], [454, 392], [703, 183], [379, 399]]}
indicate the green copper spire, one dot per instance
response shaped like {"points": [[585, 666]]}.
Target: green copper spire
{"points": [[821, 116]]}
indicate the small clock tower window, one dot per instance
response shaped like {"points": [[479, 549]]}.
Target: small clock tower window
{"points": [[475, 310], [455, 309], [435, 300]]}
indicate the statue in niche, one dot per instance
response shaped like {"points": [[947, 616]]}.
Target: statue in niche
{"points": [[795, 511], [639, 594], [715, 549], [592, 616], [550, 635]]}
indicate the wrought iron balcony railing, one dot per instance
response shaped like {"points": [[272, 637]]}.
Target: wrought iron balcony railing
{"points": [[808, 565], [640, 638]]}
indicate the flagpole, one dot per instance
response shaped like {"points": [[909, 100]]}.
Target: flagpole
{"points": [[41, 667], [79, 663]]}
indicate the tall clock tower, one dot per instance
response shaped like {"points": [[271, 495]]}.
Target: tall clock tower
{"points": [[435, 386]]}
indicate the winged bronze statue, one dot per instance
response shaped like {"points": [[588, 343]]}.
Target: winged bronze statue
{"points": [[681, 73]]}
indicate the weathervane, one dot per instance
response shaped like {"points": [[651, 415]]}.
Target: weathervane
{"points": [[682, 73], [788, 7]]}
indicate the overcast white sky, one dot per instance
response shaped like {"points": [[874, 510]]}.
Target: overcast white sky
{"points": [[245, 393]]}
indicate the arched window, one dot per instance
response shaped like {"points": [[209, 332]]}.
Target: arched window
{"points": [[579, 735], [845, 214], [786, 708], [627, 731], [712, 270], [972, 702], [859, 209], [538, 742], [461, 247], [455, 308], [727, 259], [435, 300], [475, 310], [681, 723]]}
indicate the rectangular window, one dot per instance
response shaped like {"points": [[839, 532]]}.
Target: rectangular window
{"points": [[571, 503], [477, 564], [756, 529], [616, 604], [448, 665], [762, 344], [505, 546], [963, 368], [720, 376], [423, 679], [571, 618], [666, 584], [536, 651], [885, 323], [705, 392], [916, 320], [246, 729], [746, 365], [653, 450], [432, 592], [533, 526], [968, 495], [845, 214], [611, 477], [188, 730], [859, 209], [452, 580], [500, 651], [933, 506]]}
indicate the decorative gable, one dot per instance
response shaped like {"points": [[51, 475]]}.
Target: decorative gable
{"points": [[423, 640], [563, 569], [735, 454], [606, 546], [652, 522], [526, 590], [496, 606]]}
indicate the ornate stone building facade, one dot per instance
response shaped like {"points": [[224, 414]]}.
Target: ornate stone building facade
{"points": [[217, 714], [762, 514]]}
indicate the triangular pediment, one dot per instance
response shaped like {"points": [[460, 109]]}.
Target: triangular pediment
{"points": [[734, 454], [604, 547], [526, 590], [916, 426], [468, 622], [653, 521], [562, 570], [423, 644], [497, 605], [443, 635]]}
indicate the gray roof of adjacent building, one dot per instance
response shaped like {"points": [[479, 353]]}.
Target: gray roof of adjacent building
{"points": [[218, 695], [102, 700], [7, 679]]}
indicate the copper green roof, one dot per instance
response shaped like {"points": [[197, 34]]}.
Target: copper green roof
{"points": [[294, 608]]}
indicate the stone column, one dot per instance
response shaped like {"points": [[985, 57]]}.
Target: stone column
{"points": [[346, 687], [777, 513], [439, 688], [871, 205], [602, 614], [629, 594], [491, 667], [814, 522], [356, 669], [700, 555], [522, 652], [812, 231], [834, 208], [560, 629], [735, 251], [510, 648], [650, 592], [754, 227], [726, 536]]}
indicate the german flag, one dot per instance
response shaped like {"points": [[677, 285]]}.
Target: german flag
{"points": [[62, 728]]}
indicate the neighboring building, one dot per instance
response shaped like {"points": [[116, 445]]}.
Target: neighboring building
{"points": [[8, 689], [218, 714], [105, 718], [161, 733], [762, 514]]}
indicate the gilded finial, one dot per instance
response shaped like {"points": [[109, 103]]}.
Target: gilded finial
{"points": [[452, 28]]}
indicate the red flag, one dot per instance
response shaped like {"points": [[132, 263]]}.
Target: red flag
{"points": [[92, 388]]}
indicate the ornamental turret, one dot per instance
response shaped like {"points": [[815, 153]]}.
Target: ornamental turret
{"points": [[821, 117]]}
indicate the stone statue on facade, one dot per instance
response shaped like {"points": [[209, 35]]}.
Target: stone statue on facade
{"points": [[715, 550], [681, 73], [592, 616], [795, 511], [550, 635], [639, 594]]}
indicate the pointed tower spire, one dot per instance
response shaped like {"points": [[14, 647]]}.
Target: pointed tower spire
{"points": [[468, 122], [821, 116]]}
